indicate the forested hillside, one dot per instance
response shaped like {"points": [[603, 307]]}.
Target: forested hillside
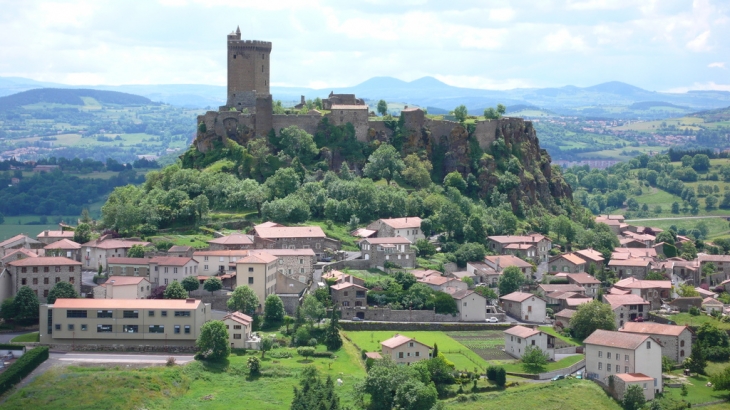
{"points": [[70, 97]]}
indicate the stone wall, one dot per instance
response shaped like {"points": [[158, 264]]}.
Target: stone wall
{"points": [[390, 315], [357, 117], [359, 264], [405, 326], [306, 122], [486, 132], [290, 303]]}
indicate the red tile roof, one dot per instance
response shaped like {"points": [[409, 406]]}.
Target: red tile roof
{"points": [[63, 244], [235, 239], [240, 318], [590, 255], [44, 261], [227, 253], [630, 262], [257, 258], [621, 340], [522, 331], [114, 243], [345, 285], [634, 377], [399, 340], [55, 234], [518, 296], [507, 260], [387, 240], [517, 238], [573, 302], [181, 304], [622, 300], [651, 328], [403, 223], [290, 232], [562, 288], [633, 283], [583, 278], [566, 313], [124, 280], [17, 238], [172, 260], [349, 107], [286, 252]]}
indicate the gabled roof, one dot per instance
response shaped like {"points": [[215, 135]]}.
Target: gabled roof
{"points": [[226, 253], [519, 297], [239, 318], [574, 259], [637, 252], [124, 280], [633, 283], [621, 340], [522, 332], [574, 302], [436, 280], [420, 274], [286, 252], [403, 223], [44, 261], [566, 313], [622, 300], [702, 257], [63, 244], [706, 293], [26, 252], [363, 232], [55, 234], [268, 224], [290, 232], [583, 278], [459, 294], [617, 291], [482, 268], [82, 303], [346, 285], [258, 258], [178, 248], [630, 262], [507, 260], [590, 255], [234, 239], [517, 238], [711, 301], [387, 240], [172, 260], [519, 246], [349, 107], [17, 238], [651, 328], [562, 288], [399, 340]]}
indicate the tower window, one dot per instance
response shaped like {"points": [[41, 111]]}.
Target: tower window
{"points": [[234, 56], [262, 68]]}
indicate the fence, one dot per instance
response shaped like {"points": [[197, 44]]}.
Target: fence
{"points": [[406, 326], [550, 375]]}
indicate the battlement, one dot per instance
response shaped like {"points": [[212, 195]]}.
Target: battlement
{"points": [[249, 44]]}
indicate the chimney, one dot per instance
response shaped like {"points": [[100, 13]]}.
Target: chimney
{"points": [[352, 280], [189, 300]]}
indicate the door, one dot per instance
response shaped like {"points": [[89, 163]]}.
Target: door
{"points": [[360, 315]]}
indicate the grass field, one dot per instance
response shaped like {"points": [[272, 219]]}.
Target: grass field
{"points": [[560, 364], [689, 320], [198, 241], [193, 386], [697, 391], [718, 226], [549, 330], [28, 337], [561, 395], [681, 123]]}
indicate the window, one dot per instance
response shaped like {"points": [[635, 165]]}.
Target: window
{"points": [[250, 269], [165, 281], [250, 280], [103, 328], [46, 269], [608, 355], [58, 279], [76, 313], [600, 353], [165, 269], [35, 269], [177, 329], [205, 258], [681, 343], [681, 353], [400, 355], [418, 354], [23, 281], [648, 345], [71, 280], [626, 358], [346, 293], [35, 281], [237, 336], [151, 313], [45, 281], [83, 328], [103, 313], [130, 329], [410, 344], [187, 329], [45, 293], [608, 367], [70, 268], [70, 327], [58, 327], [130, 314], [600, 366], [626, 369], [57, 268], [182, 313], [236, 327], [157, 329], [618, 357], [205, 267], [163, 313]]}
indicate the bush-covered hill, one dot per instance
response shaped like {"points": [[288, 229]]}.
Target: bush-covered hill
{"points": [[70, 97]]}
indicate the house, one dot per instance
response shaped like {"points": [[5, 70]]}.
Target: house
{"points": [[706, 293], [569, 263], [524, 306], [294, 263], [239, 329], [721, 264], [213, 263], [483, 273], [632, 353], [95, 253], [341, 277], [562, 318], [725, 285], [48, 237], [364, 233], [627, 308], [652, 291], [628, 253], [64, 247], [518, 338], [123, 287], [39, 274], [394, 250], [499, 262], [348, 294], [439, 283], [675, 341], [258, 271], [421, 274], [636, 267], [573, 303], [542, 244], [165, 323], [622, 381], [235, 241], [404, 350], [588, 282], [471, 305], [17, 254], [647, 240], [181, 251], [566, 299], [710, 304], [616, 225], [17, 242], [128, 267], [463, 274], [689, 271], [166, 269], [293, 237], [546, 288], [591, 257], [521, 250], [289, 291], [633, 243], [409, 227], [684, 303]]}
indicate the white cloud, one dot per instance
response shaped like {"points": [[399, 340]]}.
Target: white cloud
{"points": [[598, 4], [563, 40], [699, 43], [708, 86], [716, 65], [502, 14]]}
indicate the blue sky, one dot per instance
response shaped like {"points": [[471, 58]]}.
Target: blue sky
{"points": [[662, 45]]}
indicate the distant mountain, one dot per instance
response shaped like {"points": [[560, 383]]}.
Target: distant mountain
{"points": [[720, 114], [69, 97]]}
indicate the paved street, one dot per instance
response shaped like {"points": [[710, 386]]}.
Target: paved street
{"points": [[121, 358], [6, 337]]}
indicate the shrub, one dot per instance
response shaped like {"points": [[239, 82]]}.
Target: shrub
{"points": [[492, 373], [238, 352], [301, 337], [717, 353], [305, 351], [254, 366], [22, 367], [328, 355], [280, 354], [170, 361], [11, 347], [694, 311], [312, 342], [501, 377]]}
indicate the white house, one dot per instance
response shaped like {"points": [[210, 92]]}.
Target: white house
{"points": [[519, 338], [239, 329], [472, 306], [123, 287], [404, 350], [525, 306]]}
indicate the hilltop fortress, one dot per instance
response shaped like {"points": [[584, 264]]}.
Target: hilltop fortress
{"points": [[450, 145]]}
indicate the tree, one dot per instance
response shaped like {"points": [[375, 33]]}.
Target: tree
{"points": [[175, 291], [212, 284], [675, 207], [313, 309], [534, 360], [273, 310], [491, 114], [382, 108], [244, 300], [460, 113], [469, 252], [7, 309], [425, 248], [61, 290], [445, 304], [721, 380], [417, 172], [136, 251], [312, 393], [297, 143], [190, 284], [454, 179], [701, 162], [487, 292], [708, 269], [213, 341], [254, 366], [332, 338], [413, 394], [288, 321], [266, 344], [592, 316], [305, 351], [696, 362], [633, 398], [384, 163], [511, 280], [82, 234], [26, 305], [501, 109], [384, 380], [686, 291], [500, 377], [405, 279], [689, 250]]}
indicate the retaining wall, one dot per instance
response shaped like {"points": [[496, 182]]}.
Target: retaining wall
{"points": [[405, 326]]}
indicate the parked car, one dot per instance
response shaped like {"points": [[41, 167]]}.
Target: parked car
{"points": [[356, 319], [558, 377], [579, 375], [492, 320], [639, 319]]}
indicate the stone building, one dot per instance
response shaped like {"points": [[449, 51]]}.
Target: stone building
{"points": [[675, 341], [562, 318], [341, 99], [17, 254], [591, 257], [18, 242], [123, 287], [440, 283], [483, 273], [653, 291], [294, 237], [588, 282], [128, 267], [48, 237], [396, 250], [348, 294], [127, 322], [524, 306], [64, 247], [627, 308], [95, 253], [357, 115], [722, 268], [212, 263], [409, 227], [404, 350], [567, 263], [542, 244], [500, 262], [472, 306], [166, 269], [636, 267], [181, 251], [294, 263], [518, 338], [40, 274]]}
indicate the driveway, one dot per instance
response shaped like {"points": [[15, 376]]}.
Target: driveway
{"points": [[6, 337]]}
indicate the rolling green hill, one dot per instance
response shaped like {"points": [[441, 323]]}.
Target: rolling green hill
{"points": [[70, 97]]}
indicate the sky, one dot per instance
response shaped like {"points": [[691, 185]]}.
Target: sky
{"points": [[659, 45]]}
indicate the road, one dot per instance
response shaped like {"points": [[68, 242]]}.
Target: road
{"points": [[6, 337]]}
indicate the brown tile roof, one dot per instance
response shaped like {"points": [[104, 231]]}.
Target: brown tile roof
{"points": [[519, 246], [566, 313], [239, 318], [633, 377], [617, 291], [387, 240], [562, 288], [363, 233], [652, 328], [17, 238], [633, 283], [706, 293], [522, 331], [630, 262], [622, 300], [373, 355], [26, 252], [517, 238], [574, 259], [436, 280], [286, 252], [573, 302], [228, 253], [459, 294], [583, 278], [508, 260], [63, 244], [178, 248], [345, 285], [55, 234], [403, 223], [181, 304], [399, 340], [127, 261], [711, 301], [621, 340], [637, 252], [590, 255], [290, 232], [114, 243], [482, 268], [172, 260], [44, 261], [235, 239], [268, 224], [257, 258], [124, 280], [518, 297], [349, 107], [420, 274]]}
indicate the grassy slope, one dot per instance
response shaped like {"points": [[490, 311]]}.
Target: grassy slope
{"points": [[689, 320], [570, 340], [28, 337]]}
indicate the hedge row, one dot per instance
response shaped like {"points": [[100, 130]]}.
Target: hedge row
{"points": [[323, 354], [22, 367], [11, 347], [433, 326]]}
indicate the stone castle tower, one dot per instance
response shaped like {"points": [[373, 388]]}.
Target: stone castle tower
{"points": [[248, 71]]}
